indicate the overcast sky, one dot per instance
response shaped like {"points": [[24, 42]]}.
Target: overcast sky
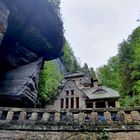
{"points": [[94, 28]]}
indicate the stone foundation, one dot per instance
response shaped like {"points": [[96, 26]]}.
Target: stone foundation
{"points": [[33, 135]]}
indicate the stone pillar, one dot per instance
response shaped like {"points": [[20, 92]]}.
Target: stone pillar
{"points": [[135, 116], [117, 104], [107, 116], [69, 103], [81, 118], [121, 116], [34, 116], [69, 118], [127, 118], [0, 114], [9, 116], [94, 104], [22, 117], [57, 117], [45, 117], [94, 117], [76, 118], [74, 103], [64, 106], [106, 104]]}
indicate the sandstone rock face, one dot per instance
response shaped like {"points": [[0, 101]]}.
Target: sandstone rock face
{"points": [[18, 87], [30, 32], [4, 12], [34, 30]]}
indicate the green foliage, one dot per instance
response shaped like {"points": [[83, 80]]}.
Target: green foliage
{"points": [[103, 135], [128, 101], [122, 72], [88, 71], [136, 87], [108, 74], [49, 82], [69, 60]]}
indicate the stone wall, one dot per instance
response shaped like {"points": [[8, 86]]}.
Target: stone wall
{"points": [[40, 135], [43, 124]]}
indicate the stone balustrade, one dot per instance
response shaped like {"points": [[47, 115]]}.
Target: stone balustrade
{"points": [[70, 120]]}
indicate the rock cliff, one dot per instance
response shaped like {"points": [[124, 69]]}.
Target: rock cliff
{"points": [[31, 31]]}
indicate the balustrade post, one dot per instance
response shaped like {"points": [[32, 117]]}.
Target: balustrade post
{"points": [[81, 118], [135, 116], [94, 116], [9, 117], [70, 117], [121, 116], [22, 117], [0, 114], [34, 116], [107, 116], [45, 117], [57, 117], [128, 118]]}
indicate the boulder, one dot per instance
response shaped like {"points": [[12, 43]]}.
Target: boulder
{"points": [[31, 32]]}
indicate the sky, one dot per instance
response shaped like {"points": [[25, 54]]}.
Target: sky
{"points": [[95, 28]]}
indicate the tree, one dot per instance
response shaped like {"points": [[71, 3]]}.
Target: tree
{"points": [[85, 69], [50, 78], [125, 57], [92, 73], [122, 72], [69, 60], [109, 74]]}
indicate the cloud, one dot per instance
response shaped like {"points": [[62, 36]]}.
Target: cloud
{"points": [[96, 27]]}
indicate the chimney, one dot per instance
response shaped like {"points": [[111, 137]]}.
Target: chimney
{"points": [[92, 83], [95, 83]]}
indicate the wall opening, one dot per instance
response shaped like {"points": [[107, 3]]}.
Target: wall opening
{"points": [[77, 102], [62, 103], [100, 104], [67, 92], [72, 92], [89, 105], [111, 103], [72, 102], [67, 102]]}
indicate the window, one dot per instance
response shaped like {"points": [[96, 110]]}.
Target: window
{"points": [[72, 92], [67, 92], [72, 102], [67, 102], [89, 105], [77, 102], [100, 104], [111, 104], [62, 103]]}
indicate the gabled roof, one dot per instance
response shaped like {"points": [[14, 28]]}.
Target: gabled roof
{"points": [[68, 81], [101, 92], [77, 74]]}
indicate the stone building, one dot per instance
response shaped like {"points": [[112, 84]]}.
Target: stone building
{"points": [[78, 91]]}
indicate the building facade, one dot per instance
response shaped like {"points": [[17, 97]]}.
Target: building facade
{"points": [[78, 91]]}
